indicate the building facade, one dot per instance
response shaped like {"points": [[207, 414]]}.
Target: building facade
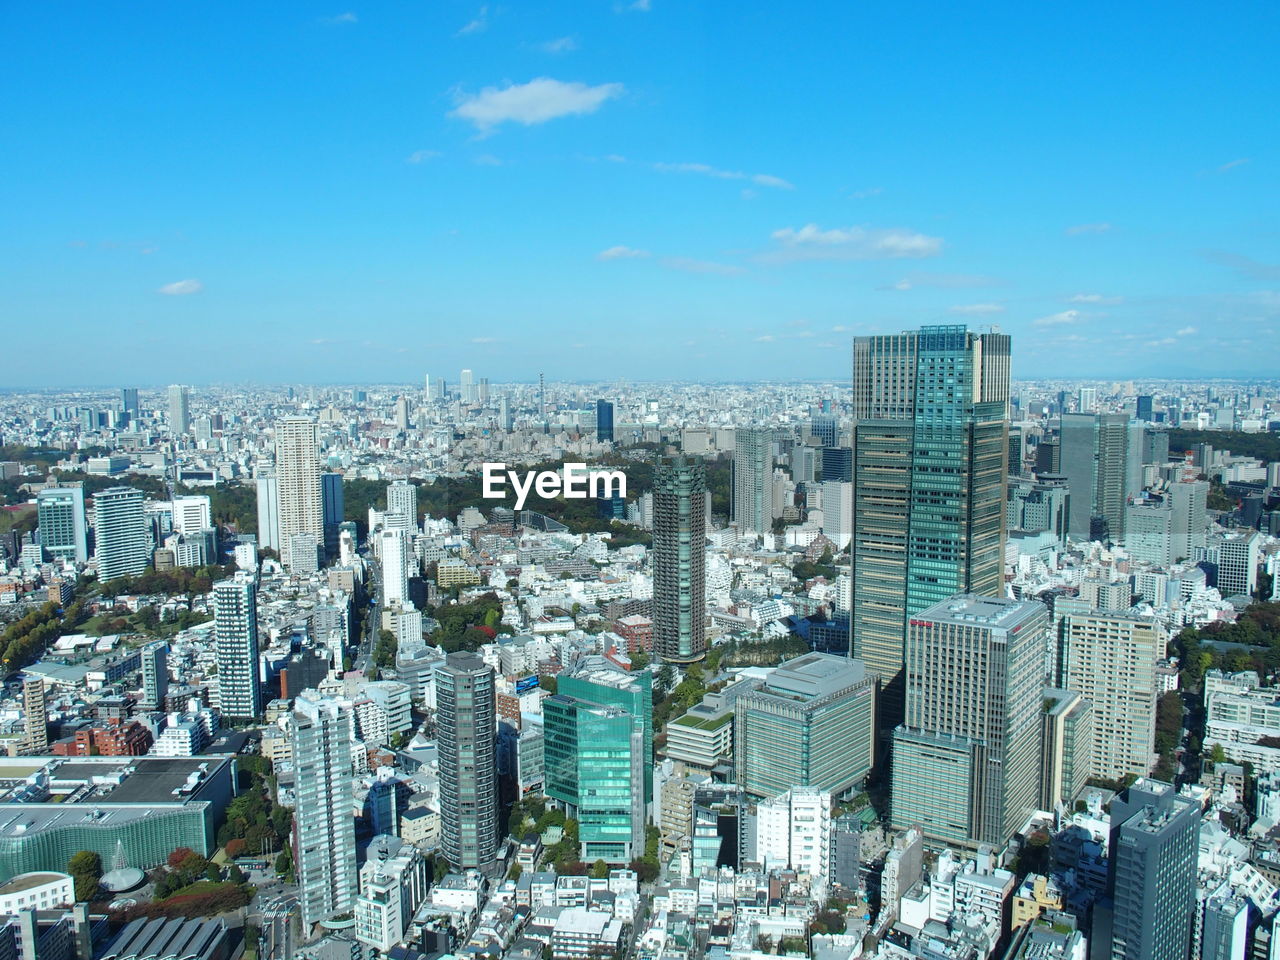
{"points": [[679, 560]]}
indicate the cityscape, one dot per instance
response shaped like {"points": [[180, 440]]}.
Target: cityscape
{"points": [[639, 480]]}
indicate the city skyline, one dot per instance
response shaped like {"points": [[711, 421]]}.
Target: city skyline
{"points": [[755, 218]]}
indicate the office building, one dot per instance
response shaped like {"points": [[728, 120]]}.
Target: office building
{"points": [[235, 631], [399, 563], [155, 675], [331, 504], [179, 410], [1146, 408], [1187, 499], [679, 560], [402, 502], [966, 761], [1066, 755], [837, 464], [1042, 505], [64, 532], [35, 716], [1094, 460], [191, 514], [929, 473], [837, 512], [301, 506], [810, 723], [1152, 880], [1226, 925], [467, 384], [1237, 563], [604, 421], [393, 882], [466, 720], [751, 504], [598, 757], [1148, 526], [1110, 660], [505, 418], [122, 547], [268, 491], [324, 829], [129, 402], [825, 430], [1087, 399]]}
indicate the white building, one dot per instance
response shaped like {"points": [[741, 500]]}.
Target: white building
{"points": [[393, 882], [794, 830], [191, 514]]}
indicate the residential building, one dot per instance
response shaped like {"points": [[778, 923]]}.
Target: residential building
{"points": [[751, 504], [393, 882], [235, 630], [122, 546], [466, 719], [679, 560], [64, 533], [298, 485]]}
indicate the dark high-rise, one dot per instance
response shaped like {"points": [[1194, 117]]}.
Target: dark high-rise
{"points": [[1145, 408], [467, 728], [837, 464], [930, 460], [1094, 456], [604, 421], [679, 560], [129, 401]]}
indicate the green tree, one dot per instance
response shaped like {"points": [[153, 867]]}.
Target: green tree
{"points": [[600, 870], [85, 868]]}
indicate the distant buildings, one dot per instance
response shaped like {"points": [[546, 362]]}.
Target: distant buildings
{"points": [[679, 560], [930, 459], [324, 829], [751, 504], [811, 723], [179, 410], [467, 724], [604, 421], [235, 625], [1094, 455], [122, 546]]}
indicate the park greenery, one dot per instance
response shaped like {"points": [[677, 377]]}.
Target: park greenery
{"points": [[1252, 642], [85, 868], [254, 817]]}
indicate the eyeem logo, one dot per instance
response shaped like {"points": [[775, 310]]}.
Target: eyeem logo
{"points": [[573, 482]]}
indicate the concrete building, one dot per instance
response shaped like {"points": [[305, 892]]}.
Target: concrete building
{"points": [[235, 628], [793, 831], [679, 560], [393, 882], [467, 729], [122, 547], [301, 507], [64, 533], [751, 505]]}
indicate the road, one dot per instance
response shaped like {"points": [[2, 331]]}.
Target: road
{"points": [[364, 653], [279, 929]]}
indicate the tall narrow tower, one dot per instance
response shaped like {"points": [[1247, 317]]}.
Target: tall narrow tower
{"points": [[300, 502], [467, 725], [235, 630], [930, 454], [679, 560]]}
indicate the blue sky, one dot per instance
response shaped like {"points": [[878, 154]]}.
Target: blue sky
{"points": [[343, 192]]}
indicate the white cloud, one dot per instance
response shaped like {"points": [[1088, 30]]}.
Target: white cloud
{"points": [[1093, 298], [1066, 317], [1186, 332], [811, 242], [1164, 342], [978, 309], [759, 179], [341, 18], [534, 102], [559, 45], [865, 194], [701, 266], [621, 253], [478, 25], [422, 156], [1082, 228], [181, 288], [1233, 164]]}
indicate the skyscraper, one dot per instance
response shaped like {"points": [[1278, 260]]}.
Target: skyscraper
{"points": [[966, 761], [599, 757], [1152, 881], [505, 420], [64, 533], [301, 504], [466, 719], [268, 490], [129, 401], [837, 464], [1145, 408], [1188, 500], [332, 506], [402, 501], [324, 838], [122, 546], [235, 631], [929, 473], [155, 675], [604, 421], [467, 384], [826, 429], [398, 564], [752, 494], [679, 560], [35, 716], [1094, 458], [179, 410]]}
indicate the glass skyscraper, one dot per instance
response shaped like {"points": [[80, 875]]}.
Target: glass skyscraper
{"points": [[598, 748], [1094, 456], [679, 560], [604, 421], [930, 454], [466, 719]]}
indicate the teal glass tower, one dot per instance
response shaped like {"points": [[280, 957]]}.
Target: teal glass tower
{"points": [[930, 459], [599, 757]]}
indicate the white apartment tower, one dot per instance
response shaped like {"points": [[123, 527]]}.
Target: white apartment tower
{"points": [[301, 508]]}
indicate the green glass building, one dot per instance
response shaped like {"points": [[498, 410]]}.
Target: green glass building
{"points": [[930, 455], [599, 756]]}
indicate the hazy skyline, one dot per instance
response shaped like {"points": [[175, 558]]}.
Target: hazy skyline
{"points": [[643, 190]]}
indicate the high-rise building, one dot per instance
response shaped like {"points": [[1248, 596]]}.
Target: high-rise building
{"points": [[324, 840], [810, 723], [402, 501], [191, 514], [1226, 925], [129, 401], [35, 716], [929, 473], [393, 882], [826, 430], [402, 413], [64, 534], [301, 503], [1148, 526], [1042, 505], [966, 761], [1110, 660], [121, 544], [179, 410], [467, 384], [793, 831], [398, 565], [1145, 408], [1087, 399], [604, 421], [466, 719], [679, 560], [155, 675], [837, 512], [505, 419], [235, 631], [1237, 563], [752, 492], [1152, 881], [1187, 499], [332, 506], [1094, 457], [598, 750], [1066, 755], [837, 464], [268, 490]]}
